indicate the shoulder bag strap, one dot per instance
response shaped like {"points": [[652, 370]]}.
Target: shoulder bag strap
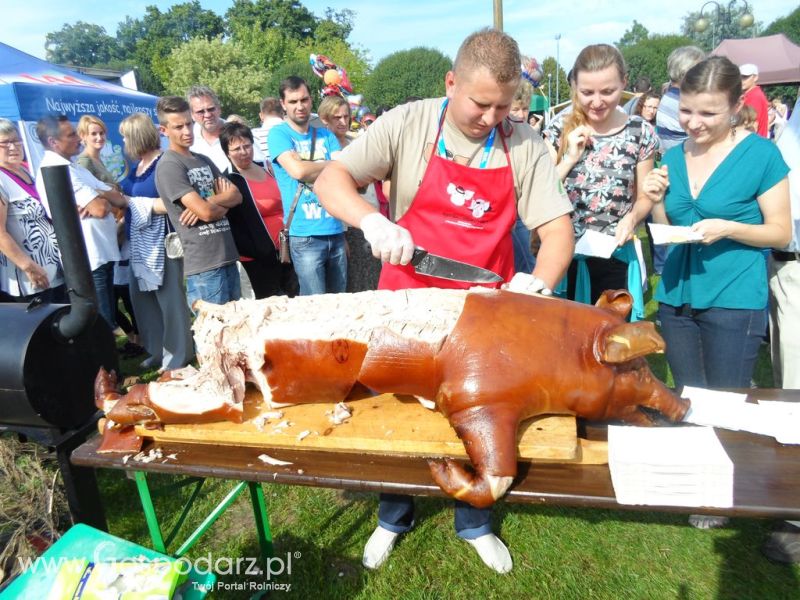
{"points": [[300, 184]]}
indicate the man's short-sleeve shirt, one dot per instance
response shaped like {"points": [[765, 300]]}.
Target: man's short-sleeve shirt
{"points": [[100, 234], [399, 144], [206, 246], [309, 216]]}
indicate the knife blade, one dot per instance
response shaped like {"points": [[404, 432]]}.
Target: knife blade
{"points": [[433, 265]]}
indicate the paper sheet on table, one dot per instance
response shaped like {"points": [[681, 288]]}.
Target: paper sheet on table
{"points": [[784, 420], [714, 408], [669, 466], [594, 243], [729, 410], [672, 234]]}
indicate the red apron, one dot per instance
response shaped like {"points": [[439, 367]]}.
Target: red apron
{"points": [[462, 213]]}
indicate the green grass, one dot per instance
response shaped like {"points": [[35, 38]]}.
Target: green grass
{"points": [[558, 553]]}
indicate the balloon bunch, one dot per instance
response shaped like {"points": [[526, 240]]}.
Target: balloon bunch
{"points": [[335, 78], [531, 71], [338, 84]]}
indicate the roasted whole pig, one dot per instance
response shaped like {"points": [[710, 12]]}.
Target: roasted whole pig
{"points": [[488, 359]]}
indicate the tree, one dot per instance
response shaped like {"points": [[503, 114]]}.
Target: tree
{"points": [[637, 33], [222, 65], [82, 44], [415, 72], [147, 42], [551, 79], [722, 25], [788, 26], [289, 16], [648, 57]]}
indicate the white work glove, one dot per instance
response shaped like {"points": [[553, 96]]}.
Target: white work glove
{"points": [[525, 283], [390, 242]]}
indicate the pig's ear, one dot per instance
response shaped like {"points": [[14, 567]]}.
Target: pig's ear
{"points": [[631, 340], [618, 302]]}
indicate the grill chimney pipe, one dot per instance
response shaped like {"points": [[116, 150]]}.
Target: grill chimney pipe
{"points": [[78, 275]]}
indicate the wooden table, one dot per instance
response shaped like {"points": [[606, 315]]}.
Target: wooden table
{"points": [[766, 474]]}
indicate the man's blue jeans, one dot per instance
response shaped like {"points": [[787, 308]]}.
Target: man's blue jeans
{"points": [[396, 514], [216, 286], [713, 347], [103, 277], [320, 262]]}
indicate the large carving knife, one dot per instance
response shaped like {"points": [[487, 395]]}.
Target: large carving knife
{"points": [[432, 265]]}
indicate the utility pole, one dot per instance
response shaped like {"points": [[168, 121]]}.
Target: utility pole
{"points": [[498, 14], [558, 66]]}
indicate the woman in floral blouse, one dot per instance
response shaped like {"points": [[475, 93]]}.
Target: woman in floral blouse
{"points": [[603, 156]]}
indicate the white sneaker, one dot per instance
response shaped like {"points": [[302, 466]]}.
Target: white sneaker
{"points": [[493, 552], [378, 547]]}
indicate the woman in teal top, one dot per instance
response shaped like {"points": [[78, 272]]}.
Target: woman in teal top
{"points": [[730, 186]]}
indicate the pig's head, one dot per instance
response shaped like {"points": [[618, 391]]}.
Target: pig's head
{"points": [[638, 397]]}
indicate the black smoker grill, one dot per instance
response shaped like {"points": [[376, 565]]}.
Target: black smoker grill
{"points": [[50, 354]]}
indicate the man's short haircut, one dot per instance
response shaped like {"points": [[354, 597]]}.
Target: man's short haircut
{"points": [[271, 106], [49, 126], [231, 131], [492, 49], [202, 91], [291, 84], [170, 105], [642, 85], [681, 60]]}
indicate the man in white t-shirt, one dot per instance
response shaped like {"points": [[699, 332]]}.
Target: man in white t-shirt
{"points": [[94, 200], [271, 114], [208, 122]]}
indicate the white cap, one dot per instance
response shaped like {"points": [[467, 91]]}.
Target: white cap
{"points": [[748, 69]]}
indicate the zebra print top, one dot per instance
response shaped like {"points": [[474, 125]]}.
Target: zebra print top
{"points": [[29, 227]]}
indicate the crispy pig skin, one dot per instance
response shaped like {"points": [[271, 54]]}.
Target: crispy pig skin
{"points": [[119, 440], [488, 359]]}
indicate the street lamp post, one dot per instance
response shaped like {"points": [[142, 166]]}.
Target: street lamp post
{"points": [[558, 66], [724, 16]]}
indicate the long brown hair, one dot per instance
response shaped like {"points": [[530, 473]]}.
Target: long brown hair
{"points": [[591, 59]]}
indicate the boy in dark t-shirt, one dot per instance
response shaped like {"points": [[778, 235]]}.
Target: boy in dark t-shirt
{"points": [[197, 199]]}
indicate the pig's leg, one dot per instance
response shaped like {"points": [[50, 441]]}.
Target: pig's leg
{"points": [[489, 434]]}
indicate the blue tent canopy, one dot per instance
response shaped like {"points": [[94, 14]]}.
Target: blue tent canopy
{"points": [[31, 88]]}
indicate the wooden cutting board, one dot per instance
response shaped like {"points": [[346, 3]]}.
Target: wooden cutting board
{"points": [[385, 424]]}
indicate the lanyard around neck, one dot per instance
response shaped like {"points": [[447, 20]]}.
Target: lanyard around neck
{"points": [[442, 149]]}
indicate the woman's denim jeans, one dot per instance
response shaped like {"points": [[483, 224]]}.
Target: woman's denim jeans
{"points": [[713, 347]]}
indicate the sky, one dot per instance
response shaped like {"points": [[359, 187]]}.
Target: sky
{"points": [[383, 27]]}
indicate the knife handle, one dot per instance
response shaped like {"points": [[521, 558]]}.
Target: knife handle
{"points": [[419, 254]]}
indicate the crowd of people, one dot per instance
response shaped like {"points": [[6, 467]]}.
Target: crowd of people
{"points": [[471, 176]]}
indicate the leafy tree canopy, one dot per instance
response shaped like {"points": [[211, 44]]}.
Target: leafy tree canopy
{"points": [[223, 66], [83, 44], [552, 80], [289, 16], [637, 33], [416, 72], [648, 58]]}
